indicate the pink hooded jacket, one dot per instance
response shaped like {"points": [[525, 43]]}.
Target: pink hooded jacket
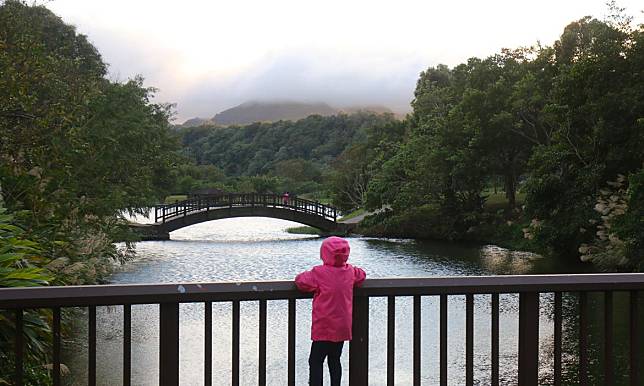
{"points": [[332, 284]]}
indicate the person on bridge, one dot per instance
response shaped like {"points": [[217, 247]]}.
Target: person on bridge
{"points": [[332, 284], [285, 198]]}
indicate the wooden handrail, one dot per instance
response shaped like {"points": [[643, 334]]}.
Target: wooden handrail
{"points": [[35, 297], [169, 296]]}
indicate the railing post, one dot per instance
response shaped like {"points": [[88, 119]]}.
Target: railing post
{"points": [[169, 344], [290, 358], [359, 346], [127, 344], [528, 338], [19, 348], [444, 304], [57, 341], [634, 346]]}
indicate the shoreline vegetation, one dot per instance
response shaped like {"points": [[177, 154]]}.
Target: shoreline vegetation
{"points": [[304, 230], [502, 235]]}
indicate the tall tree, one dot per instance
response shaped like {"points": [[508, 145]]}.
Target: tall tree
{"points": [[70, 140]]}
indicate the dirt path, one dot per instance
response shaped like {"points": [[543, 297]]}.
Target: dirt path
{"points": [[360, 217]]}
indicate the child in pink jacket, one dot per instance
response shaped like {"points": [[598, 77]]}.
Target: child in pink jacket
{"points": [[332, 284]]}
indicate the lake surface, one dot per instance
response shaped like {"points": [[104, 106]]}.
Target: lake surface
{"points": [[261, 249]]}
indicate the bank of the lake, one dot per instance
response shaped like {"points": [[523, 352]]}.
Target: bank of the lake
{"points": [[505, 233], [423, 224]]}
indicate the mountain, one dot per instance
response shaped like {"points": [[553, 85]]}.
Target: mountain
{"points": [[194, 122], [250, 112], [370, 108]]}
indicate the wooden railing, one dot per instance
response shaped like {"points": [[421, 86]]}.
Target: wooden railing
{"points": [[167, 212], [169, 296]]}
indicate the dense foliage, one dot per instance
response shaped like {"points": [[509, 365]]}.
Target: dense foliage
{"points": [[76, 151], [21, 261], [557, 123]]}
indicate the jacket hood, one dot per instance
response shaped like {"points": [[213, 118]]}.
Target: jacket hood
{"points": [[335, 251]]}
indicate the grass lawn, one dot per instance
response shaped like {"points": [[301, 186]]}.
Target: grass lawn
{"points": [[497, 201], [303, 230], [353, 214], [175, 198], [316, 197]]}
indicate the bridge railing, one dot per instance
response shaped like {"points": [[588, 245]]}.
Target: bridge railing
{"points": [[166, 212], [169, 296]]}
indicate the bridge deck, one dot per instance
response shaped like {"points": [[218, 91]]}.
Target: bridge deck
{"points": [[174, 216]]}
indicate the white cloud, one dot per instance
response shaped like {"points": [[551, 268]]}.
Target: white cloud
{"points": [[210, 55]]}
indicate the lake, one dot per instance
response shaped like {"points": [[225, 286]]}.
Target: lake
{"points": [[260, 249]]}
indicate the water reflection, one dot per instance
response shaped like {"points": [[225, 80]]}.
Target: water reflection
{"points": [[260, 249], [502, 261]]}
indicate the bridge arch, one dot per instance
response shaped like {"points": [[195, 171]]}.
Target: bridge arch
{"points": [[193, 211]]}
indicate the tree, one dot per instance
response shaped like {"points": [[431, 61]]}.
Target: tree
{"points": [[71, 141], [76, 150], [297, 169], [350, 177], [596, 106], [351, 172], [566, 119]]}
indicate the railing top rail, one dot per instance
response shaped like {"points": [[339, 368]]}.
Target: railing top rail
{"points": [[461, 285], [226, 197], [35, 297]]}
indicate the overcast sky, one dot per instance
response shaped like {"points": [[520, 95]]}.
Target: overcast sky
{"points": [[207, 56]]}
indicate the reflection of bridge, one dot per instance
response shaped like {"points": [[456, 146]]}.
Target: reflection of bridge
{"points": [[170, 217]]}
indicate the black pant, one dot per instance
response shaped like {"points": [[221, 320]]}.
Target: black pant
{"points": [[319, 351]]}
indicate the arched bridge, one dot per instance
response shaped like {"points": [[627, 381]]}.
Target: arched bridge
{"points": [[170, 217]]}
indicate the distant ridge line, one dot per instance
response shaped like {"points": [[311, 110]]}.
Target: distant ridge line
{"points": [[258, 111]]}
